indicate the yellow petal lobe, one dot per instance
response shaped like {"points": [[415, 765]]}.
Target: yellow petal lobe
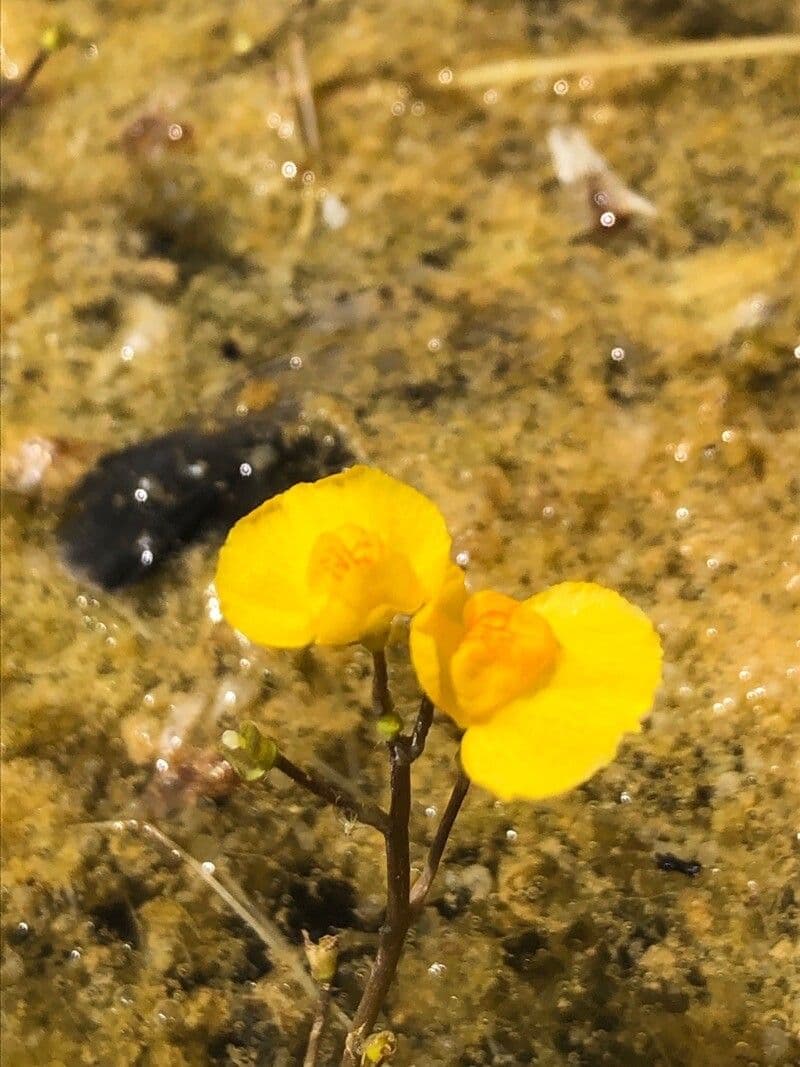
{"points": [[332, 561], [601, 687]]}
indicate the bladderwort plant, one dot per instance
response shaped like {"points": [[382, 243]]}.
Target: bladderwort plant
{"points": [[543, 689]]}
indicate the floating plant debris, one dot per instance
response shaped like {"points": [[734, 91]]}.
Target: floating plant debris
{"points": [[138, 505], [584, 171], [668, 861]]}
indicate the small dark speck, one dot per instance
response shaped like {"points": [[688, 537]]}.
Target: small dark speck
{"points": [[230, 350], [668, 861]]}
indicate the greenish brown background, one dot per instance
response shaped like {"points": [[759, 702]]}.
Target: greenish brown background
{"points": [[459, 328]]}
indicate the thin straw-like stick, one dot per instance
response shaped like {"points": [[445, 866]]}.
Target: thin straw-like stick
{"points": [[513, 71], [261, 926]]}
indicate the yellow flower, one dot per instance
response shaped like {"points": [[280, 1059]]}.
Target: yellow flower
{"points": [[333, 561], [545, 688]]}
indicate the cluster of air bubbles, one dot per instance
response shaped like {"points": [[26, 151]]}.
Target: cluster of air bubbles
{"points": [[430, 812], [625, 797], [436, 970], [721, 706]]}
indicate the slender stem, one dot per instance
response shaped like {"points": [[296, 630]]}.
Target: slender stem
{"points": [[16, 90], [423, 883], [398, 914], [317, 1027], [419, 735], [381, 697], [364, 811]]}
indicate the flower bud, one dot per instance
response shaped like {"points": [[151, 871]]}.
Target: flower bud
{"points": [[249, 751], [379, 1048], [389, 726], [323, 957]]}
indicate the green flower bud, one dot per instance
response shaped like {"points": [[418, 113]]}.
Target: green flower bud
{"points": [[250, 753], [56, 37], [389, 726], [379, 1048]]}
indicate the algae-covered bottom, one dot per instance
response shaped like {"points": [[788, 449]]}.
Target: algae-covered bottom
{"points": [[619, 406]]}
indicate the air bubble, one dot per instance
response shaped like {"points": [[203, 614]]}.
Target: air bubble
{"points": [[127, 352], [296, 362], [147, 557], [445, 76], [511, 835], [490, 96], [437, 969], [607, 219], [162, 766], [140, 495], [682, 514], [561, 87], [712, 563], [208, 867], [618, 354], [430, 812], [289, 169], [462, 558], [175, 131], [75, 954], [245, 470], [625, 797]]}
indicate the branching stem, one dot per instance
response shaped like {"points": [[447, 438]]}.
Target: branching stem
{"points": [[364, 811]]}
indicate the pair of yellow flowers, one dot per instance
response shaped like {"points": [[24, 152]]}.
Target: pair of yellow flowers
{"points": [[545, 688]]}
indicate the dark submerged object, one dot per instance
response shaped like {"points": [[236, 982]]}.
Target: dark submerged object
{"points": [[139, 505], [668, 861]]}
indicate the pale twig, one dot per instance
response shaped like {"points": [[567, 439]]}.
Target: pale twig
{"points": [[514, 71], [303, 92], [265, 930]]}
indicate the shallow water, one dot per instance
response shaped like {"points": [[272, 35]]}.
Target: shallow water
{"points": [[620, 407]]}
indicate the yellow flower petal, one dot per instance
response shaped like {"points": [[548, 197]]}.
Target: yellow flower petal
{"points": [[332, 561], [436, 632], [608, 670]]}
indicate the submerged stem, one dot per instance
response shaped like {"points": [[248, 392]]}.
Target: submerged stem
{"points": [[423, 884], [398, 914], [364, 811], [381, 697], [317, 1027], [419, 735]]}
